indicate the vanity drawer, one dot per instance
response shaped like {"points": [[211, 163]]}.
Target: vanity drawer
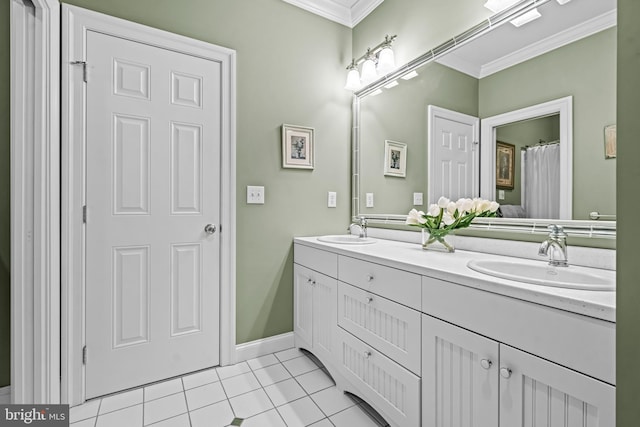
{"points": [[321, 261], [387, 326], [388, 387], [583, 343], [397, 285]]}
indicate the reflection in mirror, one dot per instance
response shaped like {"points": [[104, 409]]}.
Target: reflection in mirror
{"points": [[527, 168], [569, 52]]}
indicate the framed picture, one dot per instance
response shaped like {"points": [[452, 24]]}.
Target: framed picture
{"points": [[395, 158], [505, 164], [610, 148], [297, 147]]}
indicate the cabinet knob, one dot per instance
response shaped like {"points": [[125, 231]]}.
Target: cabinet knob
{"points": [[505, 372], [367, 354], [486, 363], [370, 277], [313, 283], [369, 300]]}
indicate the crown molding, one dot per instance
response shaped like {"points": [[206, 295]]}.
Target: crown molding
{"points": [[347, 16], [563, 38]]}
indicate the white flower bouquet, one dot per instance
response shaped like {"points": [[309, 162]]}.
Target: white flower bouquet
{"points": [[445, 216]]}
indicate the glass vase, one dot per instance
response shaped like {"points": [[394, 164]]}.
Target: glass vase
{"points": [[436, 240]]}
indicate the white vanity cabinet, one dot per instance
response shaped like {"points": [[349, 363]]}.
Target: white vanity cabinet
{"points": [[457, 352], [379, 337], [315, 302], [470, 380]]}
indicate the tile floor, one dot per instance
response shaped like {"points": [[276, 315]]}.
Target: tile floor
{"points": [[285, 389]]}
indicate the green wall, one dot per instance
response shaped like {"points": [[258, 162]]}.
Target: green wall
{"points": [[586, 70], [5, 188], [400, 114], [628, 268], [290, 69]]}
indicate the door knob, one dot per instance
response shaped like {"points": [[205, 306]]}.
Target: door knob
{"points": [[209, 228]]}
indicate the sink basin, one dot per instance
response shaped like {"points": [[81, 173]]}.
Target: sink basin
{"points": [[543, 274], [347, 239]]}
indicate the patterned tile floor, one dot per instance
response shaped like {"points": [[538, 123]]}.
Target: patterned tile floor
{"points": [[285, 389]]}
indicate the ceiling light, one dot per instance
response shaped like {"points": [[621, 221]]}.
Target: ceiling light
{"points": [[563, 1], [526, 17], [499, 5], [409, 76], [376, 92], [392, 84], [375, 62]]}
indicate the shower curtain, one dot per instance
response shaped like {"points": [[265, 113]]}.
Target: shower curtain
{"points": [[541, 181]]}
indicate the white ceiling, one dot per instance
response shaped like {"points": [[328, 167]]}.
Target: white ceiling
{"points": [[345, 12], [508, 45]]}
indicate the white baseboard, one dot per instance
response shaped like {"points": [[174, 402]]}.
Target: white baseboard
{"points": [[5, 395], [262, 347]]}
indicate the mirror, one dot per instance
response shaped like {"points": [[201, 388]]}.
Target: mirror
{"points": [[569, 53]]}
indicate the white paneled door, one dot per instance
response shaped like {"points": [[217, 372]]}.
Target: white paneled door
{"points": [[453, 155], [152, 188]]}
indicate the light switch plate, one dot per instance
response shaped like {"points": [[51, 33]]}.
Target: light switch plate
{"points": [[417, 199], [255, 195], [369, 200], [331, 199], [500, 194]]}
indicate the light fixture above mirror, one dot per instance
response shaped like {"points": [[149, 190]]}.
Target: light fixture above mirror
{"points": [[375, 62]]}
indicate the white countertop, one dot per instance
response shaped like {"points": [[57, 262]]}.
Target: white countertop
{"points": [[453, 268]]}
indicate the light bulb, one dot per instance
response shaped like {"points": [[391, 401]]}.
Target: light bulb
{"points": [[386, 61], [499, 5], [526, 18], [368, 72], [353, 80]]}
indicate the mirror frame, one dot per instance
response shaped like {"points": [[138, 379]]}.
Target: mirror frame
{"points": [[579, 228]]}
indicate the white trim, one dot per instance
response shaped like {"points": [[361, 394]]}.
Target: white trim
{"points": [[434, 112], [262, 347], [340, 13], [76, 23], [563, 38], [563, 107], [35, 198]]}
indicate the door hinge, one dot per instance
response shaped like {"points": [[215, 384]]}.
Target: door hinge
{"points": [[84, 69], [84, 355], [84, 214]]}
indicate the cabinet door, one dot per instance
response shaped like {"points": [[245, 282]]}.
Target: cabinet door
{"points": [[535, 392], [303, 306], [325, 316], [459, 377]]}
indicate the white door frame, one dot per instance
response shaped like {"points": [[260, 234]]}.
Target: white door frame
{"points": [[433, 112], [76, 23], [35, 201], [561, 106], [46, 227]]}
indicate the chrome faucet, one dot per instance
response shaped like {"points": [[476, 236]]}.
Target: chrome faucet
{"points": [[362, 227], [555, 246]]}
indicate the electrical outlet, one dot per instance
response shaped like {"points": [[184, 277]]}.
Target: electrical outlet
{"points": [[369, 200], [255, 195], [500, 194], [331, 199], [417, 199]]}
